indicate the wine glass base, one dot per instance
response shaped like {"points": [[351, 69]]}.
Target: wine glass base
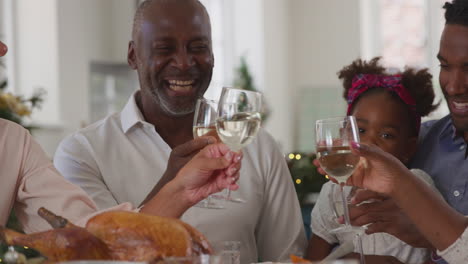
{"points": [[235, 200], [218, 197], [229, 199], [209, 204], [349, 229]]}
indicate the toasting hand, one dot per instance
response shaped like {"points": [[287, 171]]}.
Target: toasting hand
{"points": [[213, 169], [180, 155]]}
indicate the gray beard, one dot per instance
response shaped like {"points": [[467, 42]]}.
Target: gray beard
{"points": [[175, 111]]}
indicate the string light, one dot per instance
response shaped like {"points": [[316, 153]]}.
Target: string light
{"points": [[298, 156], [26, 248], [298, 181], [326, 176], [291, 156]]}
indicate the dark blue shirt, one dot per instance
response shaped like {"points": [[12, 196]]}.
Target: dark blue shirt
{"points": [[442, 154]]}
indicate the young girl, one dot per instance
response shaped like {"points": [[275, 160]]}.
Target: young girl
{"points": [[388, 110]]}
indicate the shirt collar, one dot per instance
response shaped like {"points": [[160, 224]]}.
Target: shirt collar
{"points": [[449, 129], [454, 132], [131, 114]]}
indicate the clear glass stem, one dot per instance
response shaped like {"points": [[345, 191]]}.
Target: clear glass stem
{"points": [[360, 249], [345, 206]]}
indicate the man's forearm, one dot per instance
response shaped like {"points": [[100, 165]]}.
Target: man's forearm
{"points": [[168, 202], [164, 180]]}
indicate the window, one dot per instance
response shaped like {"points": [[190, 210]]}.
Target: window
{"points": [[404, 33], [397, 30], [221, 72]]}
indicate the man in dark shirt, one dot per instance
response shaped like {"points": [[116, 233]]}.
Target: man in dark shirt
{"points": [[443, 143]]}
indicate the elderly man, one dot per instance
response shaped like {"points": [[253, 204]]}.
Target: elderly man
{"points": [[29, 181], [122, 157]]}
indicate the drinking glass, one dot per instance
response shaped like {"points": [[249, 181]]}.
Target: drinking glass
{"points": [[202, 259], [204, 124], [229, 251], [333, 138], [238, 120], [338, 211], [337, 261]]}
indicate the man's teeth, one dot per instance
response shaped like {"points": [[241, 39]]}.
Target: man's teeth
{"points": [[460, 105], [181, 86], [178, 88], [181, 83]]}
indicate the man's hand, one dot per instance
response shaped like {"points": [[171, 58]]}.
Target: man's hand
{"points": [[211, 170], [385, 216], [380, 172], [180, 155]]}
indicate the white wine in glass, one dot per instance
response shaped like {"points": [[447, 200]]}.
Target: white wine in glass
{"points": [[201, 130], [204, 124], [338, 161], [334, 137], [238, 120], [238, 130]]}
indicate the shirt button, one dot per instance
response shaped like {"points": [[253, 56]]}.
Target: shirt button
{"points": [[456, 193], [462, 147]]}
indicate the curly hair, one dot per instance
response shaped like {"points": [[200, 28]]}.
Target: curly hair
{"points": [[456, 12], [417, 82]]}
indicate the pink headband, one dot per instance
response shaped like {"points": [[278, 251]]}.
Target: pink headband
{"points": [[363, 82]]}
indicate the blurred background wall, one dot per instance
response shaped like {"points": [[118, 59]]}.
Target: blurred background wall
{"points": [[76, 50]]}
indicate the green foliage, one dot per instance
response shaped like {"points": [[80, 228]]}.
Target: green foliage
{"points": [[15, 108], [13, 222], [304, 173], [27, 252], [244, 80], [9, 115]]}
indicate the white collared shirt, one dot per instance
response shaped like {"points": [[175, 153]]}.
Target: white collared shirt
{"points": [[122, 157]]}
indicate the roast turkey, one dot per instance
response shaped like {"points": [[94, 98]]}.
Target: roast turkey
{"points": [[114, 235]]}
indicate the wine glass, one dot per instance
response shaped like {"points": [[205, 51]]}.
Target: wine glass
{"points": [[201, 259], [336, 204], [238, 120], [204, 124], [229, 250], [333, 138]]}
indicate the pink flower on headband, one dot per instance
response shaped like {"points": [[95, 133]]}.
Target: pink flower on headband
{"points": [[363, 82]]}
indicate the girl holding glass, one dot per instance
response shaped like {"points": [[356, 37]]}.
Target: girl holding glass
{"points": [[388, 110]]}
